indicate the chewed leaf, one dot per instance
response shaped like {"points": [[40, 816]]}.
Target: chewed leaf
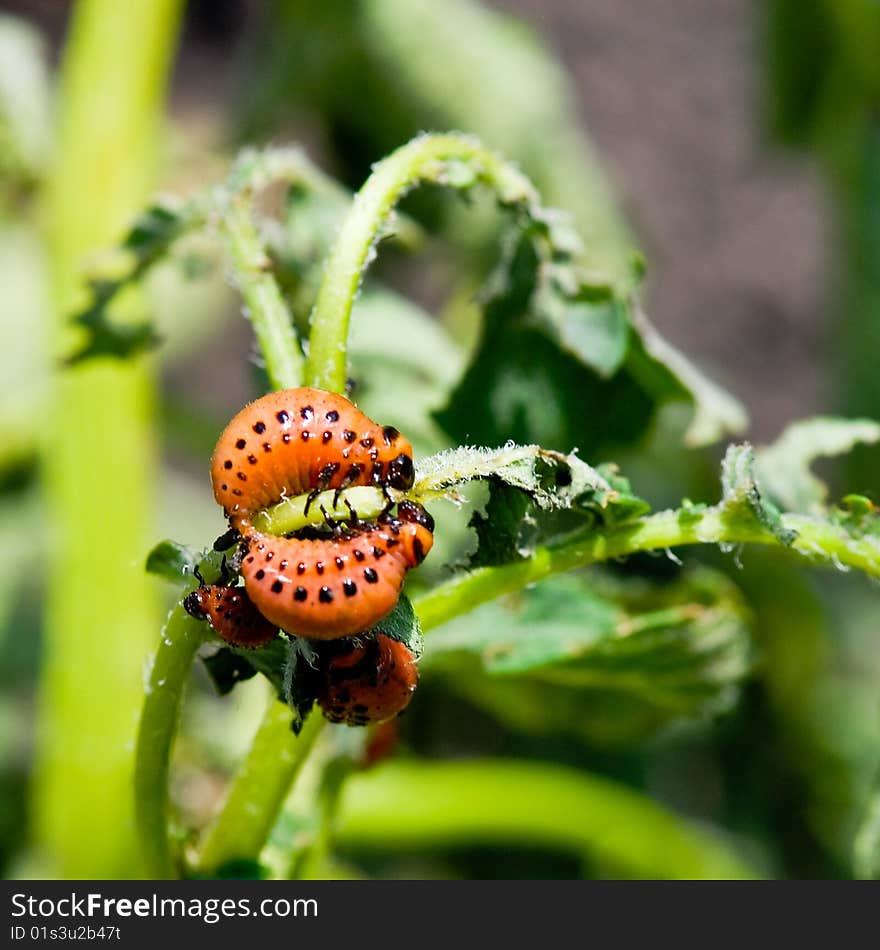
{"points": [[741, 492], [610, 665], [783, 468], [227, 668], [551, 479], [149, 239], [403, 625], [507, 531], [568, 358]]}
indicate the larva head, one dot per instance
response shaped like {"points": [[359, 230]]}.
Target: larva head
{"points": [[195, 603], [418, 528], [401, 472], [367, 681]]}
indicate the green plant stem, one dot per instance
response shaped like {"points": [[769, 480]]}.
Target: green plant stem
{"points": [[429, 804], [259, 789], [98, 458], [181, 639], [666, 529], [268, 312], [423, 159]]}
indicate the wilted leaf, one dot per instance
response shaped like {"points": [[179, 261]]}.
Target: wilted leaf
{"points": [[741, 492], [783, 468], [566, 657]]}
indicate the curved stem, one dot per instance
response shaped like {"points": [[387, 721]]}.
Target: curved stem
{"points": [[666, 529], [426, 158], [258, 791], [271, 319], [181, 639], [407, 805]]}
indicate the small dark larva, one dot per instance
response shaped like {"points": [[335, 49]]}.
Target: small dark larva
{"points": [[231, 614], [367, 682]]}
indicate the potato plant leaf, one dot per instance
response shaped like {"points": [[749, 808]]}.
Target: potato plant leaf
{"points": [[148, 241], [783, 468], [568, 360], [601, 664]]}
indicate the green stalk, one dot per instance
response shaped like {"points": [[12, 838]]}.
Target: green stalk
{"points": [[181, 639], [259, 789], [99, 459], [666, 529], [268, 312], [418, 805], [425, 158]]}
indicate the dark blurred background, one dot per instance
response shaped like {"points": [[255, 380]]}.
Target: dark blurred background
{"points": [[735, 228]]}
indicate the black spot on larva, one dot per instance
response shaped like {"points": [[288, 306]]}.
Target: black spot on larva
{"points": [[240, 444], [332, 416], [374, 453], [367, 442], [282, 565], [359, 555], [227, 464], [305, 435], [327, 436], [250, 560], [261, 546], [348, 435], [370, 576], [270, 555], [325, 595], [378, 552], [277, 587], [285, 438], [349, 587], [392, 542], [319, 567], [260, 574], [252, 459], [307, 412], [300, 568], [282, 417], [340, 563], [418, 550], [241, 476], [267, 446], [389, 434], [224, 487], [236, 491], [300, 594], [378, 470], [260, 428]]}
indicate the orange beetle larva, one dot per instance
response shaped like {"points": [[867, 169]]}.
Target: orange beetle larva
{"points": [[297, 441]]}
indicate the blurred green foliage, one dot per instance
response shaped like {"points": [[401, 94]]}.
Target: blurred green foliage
{"points": [[741, 698]]}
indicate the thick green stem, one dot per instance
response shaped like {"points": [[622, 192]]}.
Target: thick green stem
{"points": [[666, 529], [425, 158], [447, 804], [259, 789], [268, 312], [99, 460], [181, 639]]}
